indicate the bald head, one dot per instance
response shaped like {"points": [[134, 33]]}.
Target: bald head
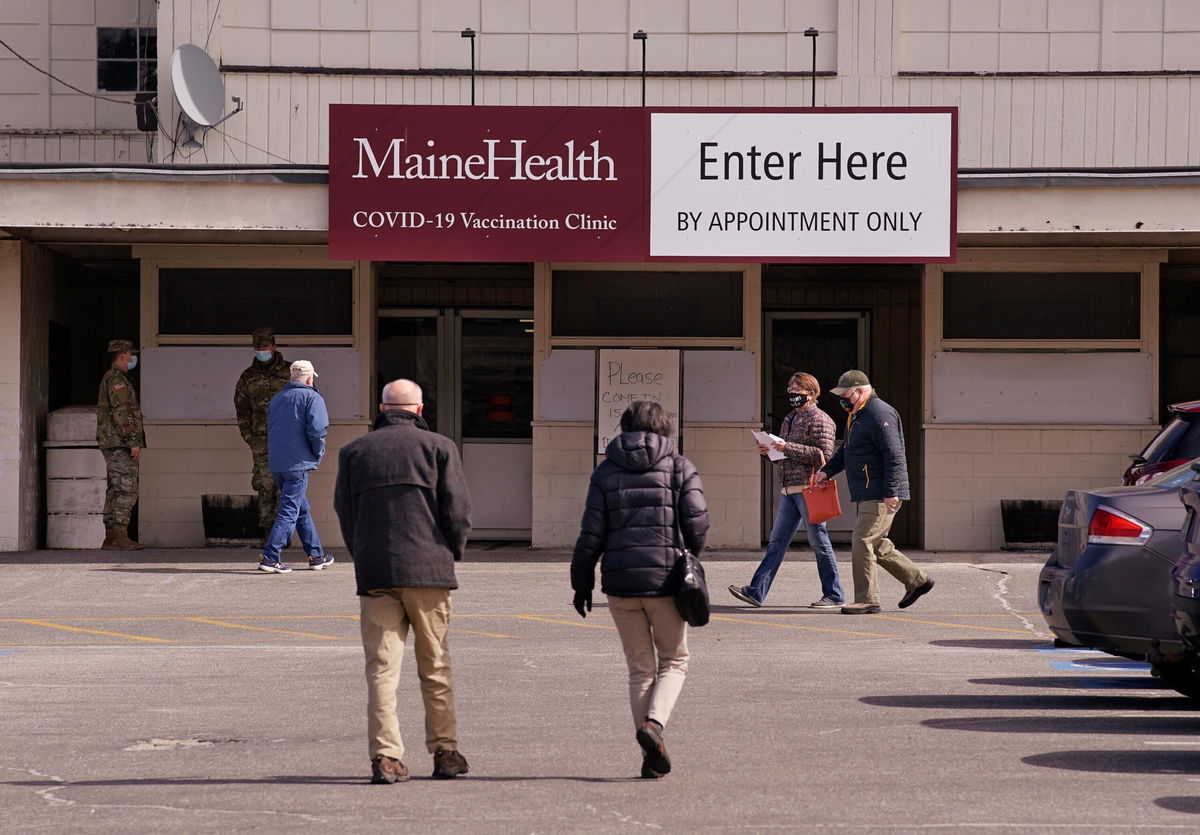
{"points": [[402, 394]]}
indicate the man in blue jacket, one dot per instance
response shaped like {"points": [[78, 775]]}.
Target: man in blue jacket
{"points": [[296, 425], [877, 474]]}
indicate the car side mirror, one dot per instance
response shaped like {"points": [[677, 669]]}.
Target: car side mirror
{"points": [[1137, 459]]}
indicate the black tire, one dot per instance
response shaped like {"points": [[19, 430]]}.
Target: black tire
{"points": [[1182, 678]]}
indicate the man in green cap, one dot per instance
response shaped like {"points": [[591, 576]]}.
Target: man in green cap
{"points": [[121, 437], [267, 374]]}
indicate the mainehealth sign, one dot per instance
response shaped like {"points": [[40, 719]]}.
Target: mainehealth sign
{"points": [[622, 185]]}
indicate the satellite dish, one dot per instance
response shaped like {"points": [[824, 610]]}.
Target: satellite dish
{"points": [[199, 90]]}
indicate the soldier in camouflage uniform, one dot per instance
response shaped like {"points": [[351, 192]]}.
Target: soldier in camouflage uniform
{"points": [[121, 438], [267, 374]]}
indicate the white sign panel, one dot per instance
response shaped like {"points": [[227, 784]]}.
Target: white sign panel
{"points": [[626, 375], [815, 185]]}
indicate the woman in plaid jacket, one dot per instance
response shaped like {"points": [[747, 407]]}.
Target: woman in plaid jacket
{"points": [[808, 436]]}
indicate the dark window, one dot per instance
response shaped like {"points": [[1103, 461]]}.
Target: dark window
{"points": [[1042, 306], [126, 59], [666, 304], [236, 301]]}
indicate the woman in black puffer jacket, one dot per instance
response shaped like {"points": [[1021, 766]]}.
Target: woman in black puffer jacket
{"points": [[630, 521]]}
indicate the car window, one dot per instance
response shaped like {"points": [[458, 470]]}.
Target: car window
{"points": [[1163, 445], [1174, 477], [1189, 443]]}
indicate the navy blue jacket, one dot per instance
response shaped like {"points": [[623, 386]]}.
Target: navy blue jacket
{"points": [[630, 518], [873, 454], [296, 427]]}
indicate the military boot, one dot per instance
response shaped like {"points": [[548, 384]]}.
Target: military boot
{"points": [[110, 538], [118, 540]]}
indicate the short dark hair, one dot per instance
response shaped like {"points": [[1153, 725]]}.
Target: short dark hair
{"points": [[647, 416]]}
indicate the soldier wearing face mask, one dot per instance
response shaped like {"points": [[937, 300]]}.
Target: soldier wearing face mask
{"points": [[120, 436], [267, 375], [808, 437]]}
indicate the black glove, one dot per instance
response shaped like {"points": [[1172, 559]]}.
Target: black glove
{"points": [[582, 599]]}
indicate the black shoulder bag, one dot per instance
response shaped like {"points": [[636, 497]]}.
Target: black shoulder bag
{"points": [[691, 589]]}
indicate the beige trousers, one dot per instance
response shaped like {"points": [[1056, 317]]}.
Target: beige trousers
{"points": [[654, 638], [385, 617], [870, 545]]}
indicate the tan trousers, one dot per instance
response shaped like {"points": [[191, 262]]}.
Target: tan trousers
{"points": [[654, 638], [870, 545], [386, 615]]}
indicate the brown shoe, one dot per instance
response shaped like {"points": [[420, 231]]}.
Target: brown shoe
{"points": [[387, 770], [116, 538], [860, 609], [448, 763], [649, 736], [911, 597]]}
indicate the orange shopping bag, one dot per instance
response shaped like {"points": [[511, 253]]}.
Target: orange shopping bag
{"points": [[821, 500]]}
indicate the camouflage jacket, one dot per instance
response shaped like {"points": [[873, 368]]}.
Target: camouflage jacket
{"points": [[255, 388], [118, 413]]}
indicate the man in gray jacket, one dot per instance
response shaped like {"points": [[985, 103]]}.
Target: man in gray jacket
{"points": [[877, 474], [401, 499]]}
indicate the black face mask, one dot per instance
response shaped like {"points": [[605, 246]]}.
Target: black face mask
{"points": [[846, 404], [797, 399]]}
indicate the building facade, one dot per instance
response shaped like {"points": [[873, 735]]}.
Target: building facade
{"points": [[1035, 362]]}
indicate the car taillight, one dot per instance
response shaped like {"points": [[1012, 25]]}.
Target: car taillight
{"points": [[1112, 527]]}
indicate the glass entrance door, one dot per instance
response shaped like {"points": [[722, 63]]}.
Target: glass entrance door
{"points": [[824, 345], [476, 370]]}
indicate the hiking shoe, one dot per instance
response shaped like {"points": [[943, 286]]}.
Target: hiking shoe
{"points": [[387, 770], [741, 594], [448, 763], [911, 598], [824, 603], [649, 736], [861, 609], [273, 566], [648, 773], [317, 563]]}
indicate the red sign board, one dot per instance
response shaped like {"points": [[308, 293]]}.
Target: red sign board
{"points": [[437, 183]]}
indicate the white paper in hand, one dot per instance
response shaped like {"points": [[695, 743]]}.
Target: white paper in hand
{"points": [[766, 439]]}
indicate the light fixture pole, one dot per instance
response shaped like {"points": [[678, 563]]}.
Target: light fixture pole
{"points": [[813, 33], [640, 35], [470, 33]]}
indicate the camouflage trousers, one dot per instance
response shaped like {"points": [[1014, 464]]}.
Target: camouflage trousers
{"points": [[263, 483], [122, 492]]}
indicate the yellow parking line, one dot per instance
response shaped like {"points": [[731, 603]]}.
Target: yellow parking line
{"points": [[49, 625], [1025, 632], [264, 629], [582, 624], [484, 634], [805, 628]]}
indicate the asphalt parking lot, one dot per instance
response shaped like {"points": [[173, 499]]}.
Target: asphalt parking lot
{"points": [[184, 691]]}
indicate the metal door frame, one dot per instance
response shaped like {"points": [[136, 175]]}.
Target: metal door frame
{"points": [[863, 317]]}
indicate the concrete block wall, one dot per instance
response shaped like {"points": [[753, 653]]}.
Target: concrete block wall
{"points": [[10, 394], [727, 460], [969, 471], [182, 462]]}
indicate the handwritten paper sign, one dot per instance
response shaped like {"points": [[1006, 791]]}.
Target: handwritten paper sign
{"points": [[626, 375]]}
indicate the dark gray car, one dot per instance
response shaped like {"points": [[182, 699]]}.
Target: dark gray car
{"points": [[1108, 585]]}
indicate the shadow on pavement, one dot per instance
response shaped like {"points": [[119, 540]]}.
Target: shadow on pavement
{"points": [[1032, 701], [1187, 805], [1120, 762], [992, 643], [1077, 682], [1156, 725]]}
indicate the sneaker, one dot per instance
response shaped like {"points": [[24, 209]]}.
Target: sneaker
{"points": [[911, 598], [317, 563], [649, 736], [861, 609], [824, 603], [273, 566], [387, 770], [743, 595], [448, 763]]}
